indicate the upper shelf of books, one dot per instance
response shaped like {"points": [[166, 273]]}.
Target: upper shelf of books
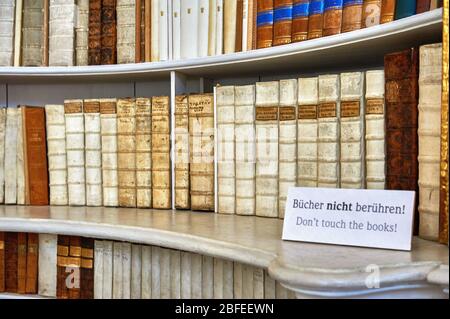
{"points": [[363, 48]]}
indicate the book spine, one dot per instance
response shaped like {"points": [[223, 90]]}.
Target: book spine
{"points": [[32, 33], [83, 38], [186, 275], [315, 22], [143, 153], [21, 158], [142, 30], [287, 147], [126, 28], [164, 275], [156, 272], [225, 149], [387, 11], [11, 262], [328, 167], [282, 21], [117, 283], [21, 262], [203, 28], [45, 31], [218, 279], [146, 276], [31, 283], [47, 265], [434, 4], [163, 29], [56, 151], [251, 27], [148, 30], [175, 274], [95, 32], [307, 131], [108, 131], [137, 34], [352, 15], [7, 35], [423, 6], [63, 262], [107, 274], [75, 285], [219, 27], [161, 167], [245, 149], [87, 269], [108, 52], [371, 13], [136, 271], [300, 17], [126, 270], [264, 24], [405, 8], [182, 197], [352, 130], [176, 30], [332, 17], [2, 261], [375, 130], [189, 29], [239, 25], [267, 102], [11, 132], [17, 32], [430, 87], [229, 26], [126, 151], [245, 26], [201, 147], [98, 269], [2, 153], [207, 277], [62, 33]]}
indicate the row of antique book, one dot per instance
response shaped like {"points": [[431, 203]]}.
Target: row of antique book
{"points": [[73, 267], [93, 32]]}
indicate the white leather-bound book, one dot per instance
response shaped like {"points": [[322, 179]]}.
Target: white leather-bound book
{"points": [[75, 152], [154, 47], [207, 277], [245, 16], [108, 131], [237, 280], [352, 130], [229, 26], [146, 277], [269, 285], [156, 272], [219, 27], [307, 131], [56, 152], [126, 270], [429, 130], [228, 279], [47, 270], [182, 196], [186, 275], [20, 159], [258, 283], [175, 274], [203, 27], [98, 269], [225, 149], [287, 147], [267, 101], [164, 273], [82, 32], [196, 276], [189, 29], [143, 153], [17, 32], [212, 27], [117, 271], [218, 278], [328, 136], [126, 30], [163, 30], [62, 15], [33, 33], [247, 282], [12, 117], [375, 130], [176, 29], [245, 149], [136, 271], [107, 269], [2, 153], [93, 152], [7, 32]]}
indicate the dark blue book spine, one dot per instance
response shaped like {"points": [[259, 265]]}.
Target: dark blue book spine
{"points": [[405, 8]]}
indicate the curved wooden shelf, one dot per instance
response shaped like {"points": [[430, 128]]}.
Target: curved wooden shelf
{"points": [[365, 47]]}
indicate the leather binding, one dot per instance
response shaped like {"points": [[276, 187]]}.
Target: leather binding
{"points": [[182, 198], [148, 30], [422, 6], [219, 27], [21, 262], [375, 130], [201, 148], [141, 12], [2, 153], [434, 4], [17, 33], [161, 165], [429, 130], [352, 130], [137, 54], [328, 111], [287, 147], [300, 17], [108, 51], [93, 152], [163, 29], [47, 263], [371, 13], [82, 36], [229, 26], [387, 11], [11, 132], [2, 261], [264, 24], [108, 131], [56, 152], [126, 28], [203, 27], [63, 260], [251, 27], [35, 156], [245, 149], [225, 149], [32, 33], [315, 21], [143, 152], [126, 151], [74, 120], [74, 290], [404, 8], [21, 159], [189, 29], [352, 15], [332, 17], [62, 33], [31, 282], [7, 32], [266, 104], [239, 25], [401, 76], [155, 11], [307, 131], [87, 269], [176, 30], [11, 262], [282, 21]]}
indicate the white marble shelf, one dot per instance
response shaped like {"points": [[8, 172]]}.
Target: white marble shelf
{"points": [[312, 270], [365, 47]]}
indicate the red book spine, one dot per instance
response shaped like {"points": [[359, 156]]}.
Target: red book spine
{"points": [[11, 259], [32, 263], [264, 24]]}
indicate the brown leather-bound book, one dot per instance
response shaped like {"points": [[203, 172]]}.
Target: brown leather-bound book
{"points": [[422, 6], [11, 261], [315, 22], [2, 261], [137, 34], [387, 11], [352, 15], [45, 31], [239, 25], [401, 76], [264, 24], [62, 289], [95, 32], [282, 22], [75, 258], [21, 262], [371, 13], [148, 30], [32, 263], [332, 18], [300, 15], [142, 31], [254, 28], [35, 153], [87, 268], [109, 33], [434, 4]]}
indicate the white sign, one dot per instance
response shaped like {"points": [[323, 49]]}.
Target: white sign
{"points": [[368, 218]]}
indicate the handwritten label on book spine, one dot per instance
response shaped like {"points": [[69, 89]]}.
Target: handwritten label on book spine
{"points": [[307, 112], [353, 217], [265, 113], [374, 106]]}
